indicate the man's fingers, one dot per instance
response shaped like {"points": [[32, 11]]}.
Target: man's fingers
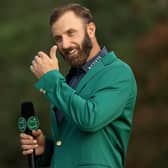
{"points": [[32, 69], [27, 152], [42, 54], [53, 52], [28, 142], [37, 59], [34, 63], [25, 136], [36, 133], [28, 147]]}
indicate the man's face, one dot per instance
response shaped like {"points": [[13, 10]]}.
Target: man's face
{"points": [[72, 39]]}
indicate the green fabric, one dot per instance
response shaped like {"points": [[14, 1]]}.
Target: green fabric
{"points": [[98, 115]]}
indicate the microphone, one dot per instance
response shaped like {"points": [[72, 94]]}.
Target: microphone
{"points": [[28, 122]]}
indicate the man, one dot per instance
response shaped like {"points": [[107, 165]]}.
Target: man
{"points": [[92, 108]]}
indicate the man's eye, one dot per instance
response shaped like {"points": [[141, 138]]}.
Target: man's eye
{"points": [[71, 33], [58, 39]]}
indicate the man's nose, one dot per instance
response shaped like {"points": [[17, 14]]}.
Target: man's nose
{"points": [[65, 43]]}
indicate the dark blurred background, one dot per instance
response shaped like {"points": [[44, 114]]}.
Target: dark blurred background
{"points": [[137, 30]]}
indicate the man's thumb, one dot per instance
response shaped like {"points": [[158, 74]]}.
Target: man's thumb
{"points": [[36, 133], [53, 52]]}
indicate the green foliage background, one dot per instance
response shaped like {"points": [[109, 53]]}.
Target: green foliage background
{"points": [[135, 29]]}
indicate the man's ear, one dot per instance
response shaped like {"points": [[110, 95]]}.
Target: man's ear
{"points": [[91, 29]]}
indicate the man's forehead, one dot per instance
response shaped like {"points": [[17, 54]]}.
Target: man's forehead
{"points": [[67, 21]]}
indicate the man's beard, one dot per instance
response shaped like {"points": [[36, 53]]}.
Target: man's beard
{"points": [[77, 56]]}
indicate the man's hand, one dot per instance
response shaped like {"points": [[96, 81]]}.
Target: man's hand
{"points": [[28, 142], [43, 63]]}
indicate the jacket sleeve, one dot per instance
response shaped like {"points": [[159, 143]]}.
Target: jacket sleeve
{"points": [[90, 114], [45, 159]]}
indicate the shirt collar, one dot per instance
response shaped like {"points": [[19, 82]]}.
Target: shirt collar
{"points": [[93, 61]]}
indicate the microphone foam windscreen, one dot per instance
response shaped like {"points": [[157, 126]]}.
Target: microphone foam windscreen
{"points": [[27, 109]]}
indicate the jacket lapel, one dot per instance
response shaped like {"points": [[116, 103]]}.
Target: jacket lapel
{"points": [[106, 60]]}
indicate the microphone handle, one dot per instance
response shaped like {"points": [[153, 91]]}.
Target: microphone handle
{"points": [[31, 123], [31, 157], [32, 160]]}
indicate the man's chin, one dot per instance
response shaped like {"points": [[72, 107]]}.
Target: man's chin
{"points": [[76, 64], [76, 61]]}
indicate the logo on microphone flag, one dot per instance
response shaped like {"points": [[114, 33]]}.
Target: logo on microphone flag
{"points": [[22, 124]]}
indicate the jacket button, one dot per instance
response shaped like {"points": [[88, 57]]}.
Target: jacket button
{"points": [[43, 91], [59, 143]]}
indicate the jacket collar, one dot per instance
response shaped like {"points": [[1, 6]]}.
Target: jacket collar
{"points": [[104, 61]]}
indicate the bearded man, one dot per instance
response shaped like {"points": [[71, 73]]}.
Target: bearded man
{"points": [[92, 107]]}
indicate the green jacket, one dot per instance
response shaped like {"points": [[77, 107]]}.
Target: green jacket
{"points": [[98, 116]]}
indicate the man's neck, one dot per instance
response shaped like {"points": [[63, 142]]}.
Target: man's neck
{"points": [[94, 51]]}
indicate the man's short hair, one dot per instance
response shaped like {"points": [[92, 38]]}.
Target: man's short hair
{"points": [[80, 11]]}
